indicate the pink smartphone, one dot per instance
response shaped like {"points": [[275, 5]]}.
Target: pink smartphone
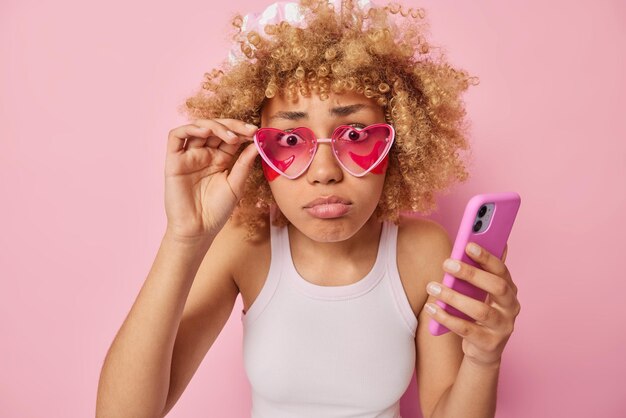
{"points": [[487, 221]]}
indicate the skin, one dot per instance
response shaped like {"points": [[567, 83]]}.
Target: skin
{"points": [[352, 241], [328, 241], [192, 287]]}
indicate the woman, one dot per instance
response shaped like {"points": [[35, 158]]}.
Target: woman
{"points": [[358, 122]]}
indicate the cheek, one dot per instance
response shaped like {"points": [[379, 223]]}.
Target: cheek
{"points": [[381, 168], [288, 195], [269, 173]]}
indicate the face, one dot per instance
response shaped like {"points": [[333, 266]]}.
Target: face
{"points": [[326, 202]]}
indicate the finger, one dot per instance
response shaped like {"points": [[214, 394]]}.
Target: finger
{"points": [[177, 138], [216, 133], [486, 260], [236, 130], [223, 148], [241, 168], [506, 247], [498, 287], [466, 329], [241, 129], [195, 142], [229, 137], [231, 149], [490, 263], [479, 311], [238, 127]]}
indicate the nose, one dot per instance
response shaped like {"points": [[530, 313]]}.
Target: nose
{"points": [[324, 168]]}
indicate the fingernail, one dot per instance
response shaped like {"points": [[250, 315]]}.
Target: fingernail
{"points": [[433, 288], [231, 134], [430, 308], [251, 126], [473, 249], [452, 265]]}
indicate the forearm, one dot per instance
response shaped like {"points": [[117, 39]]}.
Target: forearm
{"points": [[134, 381], [473, 394]]}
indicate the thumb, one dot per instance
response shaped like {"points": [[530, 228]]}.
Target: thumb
{"points": [[239, 171]]}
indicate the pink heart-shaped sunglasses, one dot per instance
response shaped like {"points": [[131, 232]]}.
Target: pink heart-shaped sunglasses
{"points": [[358, 151]]}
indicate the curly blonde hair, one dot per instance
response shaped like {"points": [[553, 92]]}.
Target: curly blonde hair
{"points": [[384, 55]]}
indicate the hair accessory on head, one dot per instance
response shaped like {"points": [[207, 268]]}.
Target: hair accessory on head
{"points": [[281, 11]]}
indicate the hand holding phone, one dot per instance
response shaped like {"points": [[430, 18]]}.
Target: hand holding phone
{"points": [[487, 221]]}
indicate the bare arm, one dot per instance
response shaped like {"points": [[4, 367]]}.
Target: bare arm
{"points": [[164, 337], [466, 361], [438, 358], [473, 393], [135, 377]]}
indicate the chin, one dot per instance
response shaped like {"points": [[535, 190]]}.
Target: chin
{"points": [[328, 230]]}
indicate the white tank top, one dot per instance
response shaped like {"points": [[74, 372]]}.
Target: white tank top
{"points": [[329, 351]]}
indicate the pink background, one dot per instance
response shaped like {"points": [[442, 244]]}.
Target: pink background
{"points": [[88, 95]]}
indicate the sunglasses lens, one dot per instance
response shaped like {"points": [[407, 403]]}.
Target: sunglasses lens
{"points": [[361, 149], [288, 152]]}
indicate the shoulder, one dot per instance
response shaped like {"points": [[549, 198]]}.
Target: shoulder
{"points": [[423, 245], [421, 240], [239, 252]]}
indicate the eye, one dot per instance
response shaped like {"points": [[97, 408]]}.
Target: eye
{"points": [[355, 134], [288, 139]]}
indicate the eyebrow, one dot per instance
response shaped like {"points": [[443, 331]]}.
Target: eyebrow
{"points": [[335, 111]]}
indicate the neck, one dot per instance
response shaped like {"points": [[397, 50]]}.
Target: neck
{"points": [[364, 240]]}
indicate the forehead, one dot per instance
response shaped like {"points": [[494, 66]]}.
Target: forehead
{"points": [[314, 103]]}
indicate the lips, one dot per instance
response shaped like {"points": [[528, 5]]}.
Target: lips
{"points": [[328, 207], [327, 201]]}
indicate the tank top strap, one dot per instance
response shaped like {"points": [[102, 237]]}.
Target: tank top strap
{"points": [[391, 256], [273, 276], [278, 240]]}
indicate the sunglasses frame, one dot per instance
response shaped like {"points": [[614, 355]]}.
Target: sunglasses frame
{"points": [[330, 141]]}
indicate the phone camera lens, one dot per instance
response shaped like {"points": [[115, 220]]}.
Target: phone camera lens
{"points": [[482, 211], [477, 226]]}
